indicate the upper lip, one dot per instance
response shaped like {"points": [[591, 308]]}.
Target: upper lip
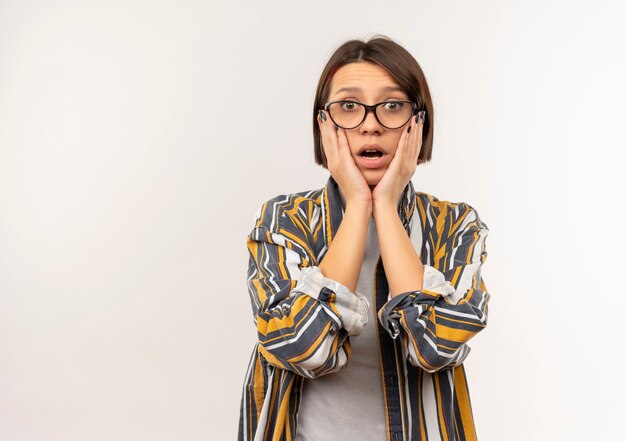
{"points": [[370, 147]]}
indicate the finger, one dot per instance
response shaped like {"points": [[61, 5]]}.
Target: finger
{"points": [[399, 156], [328, 144], [419, 137], [320, 125], [410, 133], [405, 139], [342, 144], [413, 142], [411, 148]]}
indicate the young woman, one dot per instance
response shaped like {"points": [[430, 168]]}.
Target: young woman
{"points": [[365, 292]]}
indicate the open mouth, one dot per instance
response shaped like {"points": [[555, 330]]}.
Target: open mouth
{"points": [[371, 154]]}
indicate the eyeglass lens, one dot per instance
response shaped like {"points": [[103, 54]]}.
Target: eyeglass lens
{"points": [[392, 114]]}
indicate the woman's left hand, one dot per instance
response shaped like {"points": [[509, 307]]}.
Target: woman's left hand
{"points": [[401, 168]]}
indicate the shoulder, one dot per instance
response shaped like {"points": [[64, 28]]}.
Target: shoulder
{"points": [[451, 213], [303, 206]]}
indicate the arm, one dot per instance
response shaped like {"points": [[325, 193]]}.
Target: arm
{"points": [[437, 320], [344, 258], [303, 318], [403, 266]]}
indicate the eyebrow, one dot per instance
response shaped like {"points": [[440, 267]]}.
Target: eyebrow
{"points": [[358, 89]]}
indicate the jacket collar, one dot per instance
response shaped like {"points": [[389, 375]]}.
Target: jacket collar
{"points": [[334, 206]]}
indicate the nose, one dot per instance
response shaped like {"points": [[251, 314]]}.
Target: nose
{"points": [[371, 124]]}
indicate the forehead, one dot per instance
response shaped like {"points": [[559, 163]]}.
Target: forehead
{"points": [[363, 77]]}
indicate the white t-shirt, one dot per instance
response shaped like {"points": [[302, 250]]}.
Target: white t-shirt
{"points": [[349, 404]]}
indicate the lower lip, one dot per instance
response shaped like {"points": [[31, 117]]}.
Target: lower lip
{"points": [[372, 162]]}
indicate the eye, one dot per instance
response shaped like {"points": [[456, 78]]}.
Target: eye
{"points": [[349, 105], [394, 106]]}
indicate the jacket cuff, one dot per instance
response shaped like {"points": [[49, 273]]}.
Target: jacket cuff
{"points": [[435, 281], [353, 307], [434, 284]]}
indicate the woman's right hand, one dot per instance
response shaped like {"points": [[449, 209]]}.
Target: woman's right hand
{"points": [[340, 163]]}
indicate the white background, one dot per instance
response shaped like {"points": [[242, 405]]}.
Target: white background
{"points": [[138, 138]]}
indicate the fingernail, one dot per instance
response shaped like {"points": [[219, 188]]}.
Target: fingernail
{"points": [[423, 115], [323, 115], [336, 127], [417, 117], [409, 129]]}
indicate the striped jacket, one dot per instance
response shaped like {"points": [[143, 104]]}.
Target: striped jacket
{"points": [[304, 320]]}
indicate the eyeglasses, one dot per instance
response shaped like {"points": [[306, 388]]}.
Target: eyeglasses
{"points": [[349, 114]]}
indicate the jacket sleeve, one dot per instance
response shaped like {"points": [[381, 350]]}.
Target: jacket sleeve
{"points": [[303, 318], [436, 323]]}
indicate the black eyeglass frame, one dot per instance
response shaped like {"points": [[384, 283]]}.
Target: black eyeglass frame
{"points": [[372, 109]]}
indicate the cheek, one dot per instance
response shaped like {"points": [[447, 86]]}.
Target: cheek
{"points": [[395, 142]]}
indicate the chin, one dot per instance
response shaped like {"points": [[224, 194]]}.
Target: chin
{"points": [[372, 176], [372, 183]]}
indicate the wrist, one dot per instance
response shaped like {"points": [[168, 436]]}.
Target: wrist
{"points": [[384, 207], [359, 206]]}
